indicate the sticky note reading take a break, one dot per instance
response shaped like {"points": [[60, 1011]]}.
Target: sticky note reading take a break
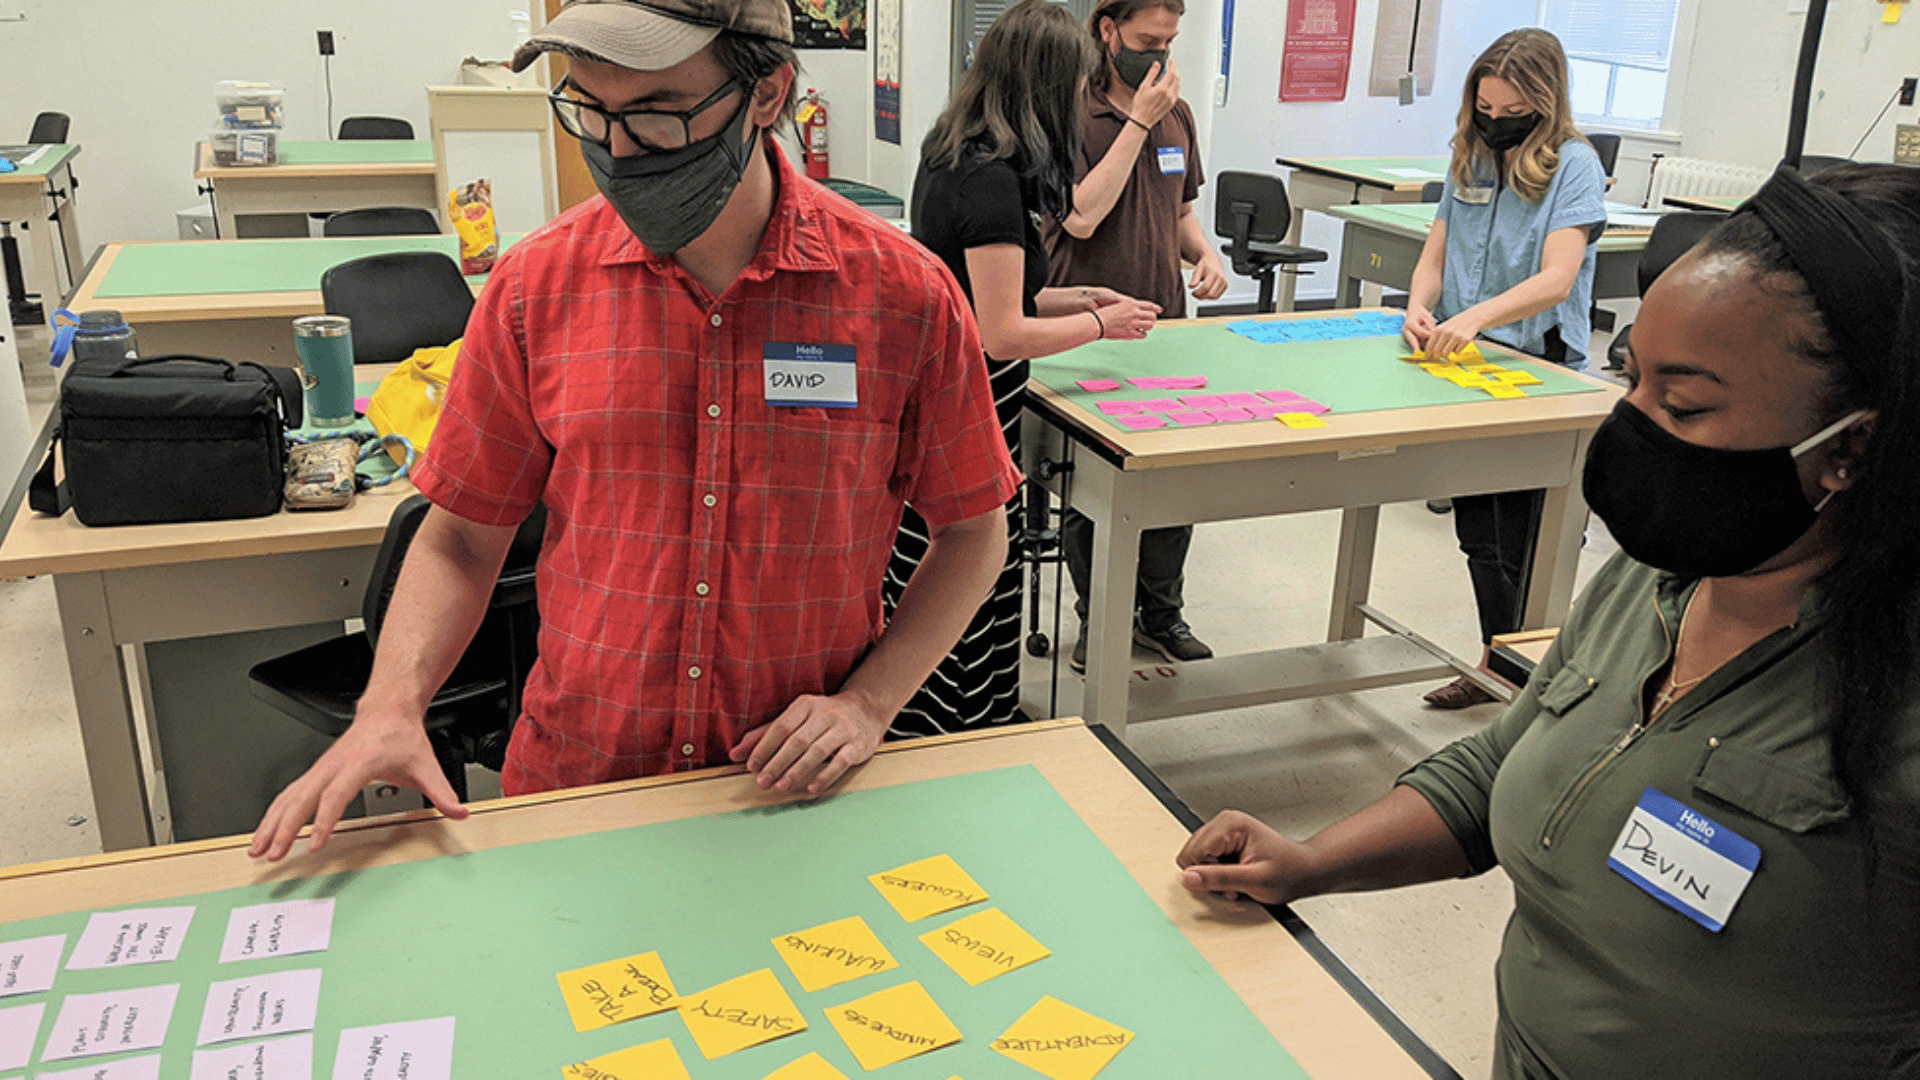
{"points": [[927, 887], [833, 953], [1061, 1041], [892, 1025], [651, 1061], [739, 1013], [811, 1067], [984, 945], [607, 993]]}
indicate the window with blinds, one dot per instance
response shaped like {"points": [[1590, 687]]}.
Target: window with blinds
{"points": [[972, 17], [1618, 55]]}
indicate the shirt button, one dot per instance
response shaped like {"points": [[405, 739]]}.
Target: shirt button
{"points": [[716, 320], [687, 749], [713, 411], [693, 672], [711, 501], [701, 589]]}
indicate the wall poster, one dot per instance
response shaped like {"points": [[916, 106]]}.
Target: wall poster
{"points": [[886, 71], [829, 24], [1319, 48]]}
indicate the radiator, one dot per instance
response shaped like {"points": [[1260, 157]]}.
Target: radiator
{"points": [[1698, 176]]}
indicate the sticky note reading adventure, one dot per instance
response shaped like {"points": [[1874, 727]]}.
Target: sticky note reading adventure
{"points": [[651, 1061], [607, 993], [811, 1067], [1061, 1041], [739, 1013], [833, 953], [984, 945], [892, 1025], [928, 887]]}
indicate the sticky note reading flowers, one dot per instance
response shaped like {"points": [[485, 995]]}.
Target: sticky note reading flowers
{"points": [[984, 945], [1062, 1042], [739, 1013], [603, 994], [927, 887], [651, 1061], [892, 1025], [833, 953], [811, 1067]]}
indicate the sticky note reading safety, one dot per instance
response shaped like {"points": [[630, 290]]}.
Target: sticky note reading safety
{"points": [[1300, 420], [739, 1013], [892, 1025], [1061, 1041], [928, 887], [607, 993], [1503, 390], [651, 1061], [984, 945], [811, 1067], [28, 967], [833, 953]]}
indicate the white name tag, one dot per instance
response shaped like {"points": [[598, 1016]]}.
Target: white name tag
{"points": [[1173, 159], [819, 376], [1684, 860], [1473, 194]]}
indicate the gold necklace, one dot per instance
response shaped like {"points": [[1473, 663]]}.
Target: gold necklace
{"points": [[1673, 688]]}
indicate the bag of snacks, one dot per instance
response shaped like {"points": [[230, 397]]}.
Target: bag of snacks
{"points": [[470, 208]]}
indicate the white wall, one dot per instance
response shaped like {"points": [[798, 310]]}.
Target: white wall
{"points": [[138, 78]]}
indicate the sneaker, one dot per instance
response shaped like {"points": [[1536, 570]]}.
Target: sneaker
{"points": [[1176, 642], [1077, 660]]}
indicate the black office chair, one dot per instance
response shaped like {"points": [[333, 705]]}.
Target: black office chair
{"points": [[1673, 236], [1431, 191], [48, 127], [1607, 146], [382, 221], [375, 127], [398, 302], [471, 717], [1819, 163], [1251, 209]]}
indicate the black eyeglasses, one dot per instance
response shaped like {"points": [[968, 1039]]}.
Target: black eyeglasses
{"points": [[653, 130]]}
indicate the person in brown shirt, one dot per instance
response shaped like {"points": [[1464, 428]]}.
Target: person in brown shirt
{"points": [[1131, 224]]}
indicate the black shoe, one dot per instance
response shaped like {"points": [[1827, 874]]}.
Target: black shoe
{"points": [[1176, 642], [1077, 660]]}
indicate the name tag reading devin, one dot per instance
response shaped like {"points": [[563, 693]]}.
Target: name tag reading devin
{"points": [[1686, 861], [818, 376], [1173, 159]]}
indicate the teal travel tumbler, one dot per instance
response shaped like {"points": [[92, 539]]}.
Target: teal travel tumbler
{"points": [[325, 346]]}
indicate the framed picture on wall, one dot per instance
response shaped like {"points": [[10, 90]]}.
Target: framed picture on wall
{"points": [[829, 24]]}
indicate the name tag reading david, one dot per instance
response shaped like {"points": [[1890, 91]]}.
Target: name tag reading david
{"points": [[817, 376], [1173, 159], [1686, 861]]}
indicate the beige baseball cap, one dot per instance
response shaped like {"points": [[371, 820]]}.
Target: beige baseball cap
{"points": [[651, 35]]}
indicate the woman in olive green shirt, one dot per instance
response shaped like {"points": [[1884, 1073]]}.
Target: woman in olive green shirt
{"points": [[1708, 797]]}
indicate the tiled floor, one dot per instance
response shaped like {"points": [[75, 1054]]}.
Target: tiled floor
{"points": [[1428, 951]]}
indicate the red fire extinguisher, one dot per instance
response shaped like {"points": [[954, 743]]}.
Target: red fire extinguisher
{"points": [[812, 118]]}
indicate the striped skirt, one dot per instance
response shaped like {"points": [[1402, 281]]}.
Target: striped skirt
{"points": [[978, 683]]}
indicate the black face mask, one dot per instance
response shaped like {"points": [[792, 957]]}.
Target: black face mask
{"points": [[1696, 511], [1507, 132], [1132, 65]]}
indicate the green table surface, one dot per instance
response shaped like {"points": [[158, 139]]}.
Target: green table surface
{"points": [[1418, 217], [1374, 168], [356, 152], [226, 267], [56, 154], [480, 936], [1353, 375]]}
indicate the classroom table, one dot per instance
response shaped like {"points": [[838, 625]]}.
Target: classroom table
{"points": [[1322, 183], [1381, 244], [1396, 434], [1724, 204], [317, 177], [1101, 808], [39, 193], [235, 300]]}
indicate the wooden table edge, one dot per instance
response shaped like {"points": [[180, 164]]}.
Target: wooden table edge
{"points": [[205, 169]]}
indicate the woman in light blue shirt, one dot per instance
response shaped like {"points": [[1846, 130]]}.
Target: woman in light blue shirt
{"points": [[1510, 258]]}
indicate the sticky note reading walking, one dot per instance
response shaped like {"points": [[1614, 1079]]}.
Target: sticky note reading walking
{"points": [[28, 967], [602, 994], [892, 1025], [253, 1008], [739, 1013], [833, 953], [295, 926], [120, 938], [417, 1050], [280, 1057], [984, 945], [928, 887], [112, 1022], [651, 1061], [1061, 1041], [811, 1067]]}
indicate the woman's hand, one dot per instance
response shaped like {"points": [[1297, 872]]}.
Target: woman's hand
{"points": [[1453, 335], [1126, 319], [1235, 854], [1419, 327]]}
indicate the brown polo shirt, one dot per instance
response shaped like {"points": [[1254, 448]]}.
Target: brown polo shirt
{"points": [[1135, 250]]}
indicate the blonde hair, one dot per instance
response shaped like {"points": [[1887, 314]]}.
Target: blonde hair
{"points": [[1533, 62]]}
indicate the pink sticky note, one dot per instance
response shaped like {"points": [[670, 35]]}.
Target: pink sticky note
{"points": [[1278, 396], [1098, 385], [1119, 408], [1194, 418], [1142, 423], [1161, 404], [1312, 407], [1267, 412], [1187, 382], [1242, 401], [1203, 401], [1151, 382], [1230, 416]]}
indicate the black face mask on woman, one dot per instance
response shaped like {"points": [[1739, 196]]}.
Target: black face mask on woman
{"points": [[1697, 511], [1506, 132]]}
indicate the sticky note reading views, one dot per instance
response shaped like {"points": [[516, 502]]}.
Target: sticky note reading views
{"points": [[833, 953], [984, 945], [927, 887], [607, 993], [739, 1013], [1061, 1041], [892, 1025], [651, 1061]]}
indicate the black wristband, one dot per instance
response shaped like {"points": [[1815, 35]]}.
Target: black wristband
{"points": [[1131, 119], [1097, 321]]}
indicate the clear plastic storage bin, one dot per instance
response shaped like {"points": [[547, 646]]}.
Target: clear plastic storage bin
{"points": [[250, 105], [261, 147]]}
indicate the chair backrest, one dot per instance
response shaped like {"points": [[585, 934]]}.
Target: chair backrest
{"points": [[1607, 146], [375, 127], [382, 221], [398, 302], [1250, 207], [49, 127], [1432, 190], [1816, 163], [1673, 236]]}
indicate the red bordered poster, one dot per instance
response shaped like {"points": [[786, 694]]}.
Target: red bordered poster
{"points": [[1318, 52]]}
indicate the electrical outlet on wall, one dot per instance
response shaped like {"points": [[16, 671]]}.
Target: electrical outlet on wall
{"points": [[326, 42], [1907, 86]]}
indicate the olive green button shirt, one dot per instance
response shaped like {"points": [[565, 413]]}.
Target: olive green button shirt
{"points": [[1814, 975]]}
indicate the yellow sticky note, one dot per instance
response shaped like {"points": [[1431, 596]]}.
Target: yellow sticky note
{"points": [[1300, 420], [811, 1067], [1470, 352], [1503, 391], [739, 1013], [892, 1025], [1486, 369], [603, 994], [1417, 356], [833, 953], [1061, 1041], [1519, 378], [927, 887], [653, 1061], [1891, 15], [1474, 381], [981, 946]]}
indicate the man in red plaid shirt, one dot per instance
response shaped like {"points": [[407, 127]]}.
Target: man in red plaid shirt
{"points": [[724, 383]]}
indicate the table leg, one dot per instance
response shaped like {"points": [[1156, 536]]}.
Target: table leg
{"points": [[1116, 561], [70, 231], [45, 277], [1353, 571], [107, 730], [1556, 555], [1288, 284]]}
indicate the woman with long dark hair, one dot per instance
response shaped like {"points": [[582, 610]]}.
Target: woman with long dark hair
{"points": [[998, 163], [1708, 797]]}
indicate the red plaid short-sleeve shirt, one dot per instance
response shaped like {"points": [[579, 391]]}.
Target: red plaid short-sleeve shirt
{"points": [[708, 557]]}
